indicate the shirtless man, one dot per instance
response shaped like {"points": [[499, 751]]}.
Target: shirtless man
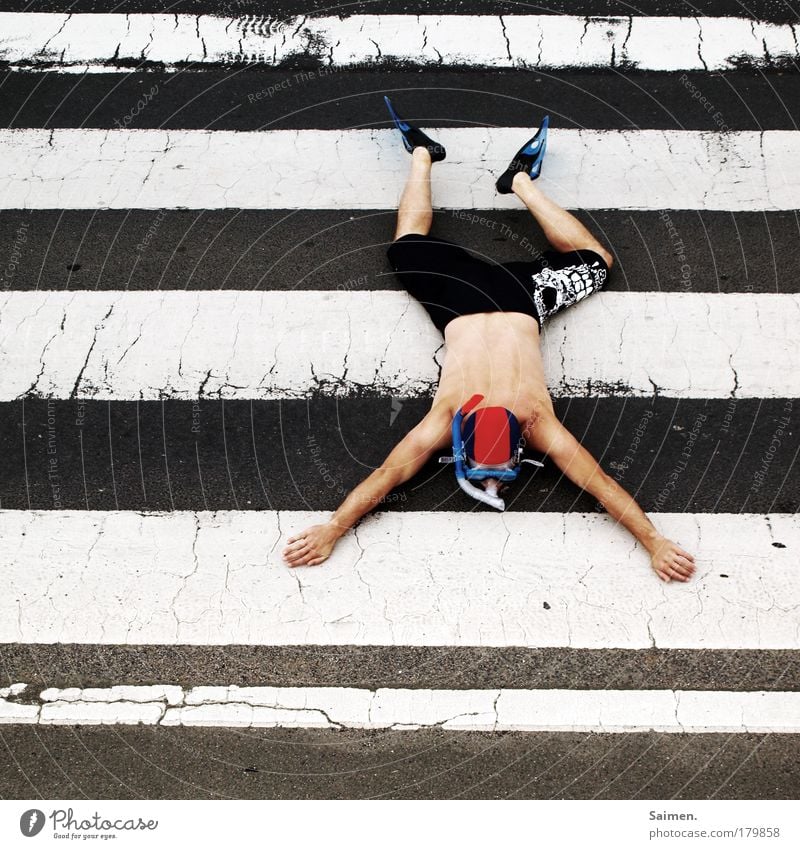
{"points": [[492, 389]]}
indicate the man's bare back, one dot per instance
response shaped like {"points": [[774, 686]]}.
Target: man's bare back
{"points": [[497, 355]]}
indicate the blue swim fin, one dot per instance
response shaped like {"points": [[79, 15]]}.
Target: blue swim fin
{"points": [[414, 137], [527, 159]]}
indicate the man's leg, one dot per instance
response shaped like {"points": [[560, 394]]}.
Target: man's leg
{"points": [[561, 228], [415, 213]]}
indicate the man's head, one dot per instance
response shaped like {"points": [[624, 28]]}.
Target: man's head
{"points": [[491, 443], [486, 450]]}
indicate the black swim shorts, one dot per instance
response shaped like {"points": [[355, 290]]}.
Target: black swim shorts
{"points": [[449, 282]]}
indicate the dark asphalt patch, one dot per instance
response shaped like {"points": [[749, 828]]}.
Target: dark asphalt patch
{"points": [[306, 455], [345, 250], [278, 763], [769, 10], [412, 667], [265, 98]]}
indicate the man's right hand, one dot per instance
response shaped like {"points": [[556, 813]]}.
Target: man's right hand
{"points": [[311, 546]]}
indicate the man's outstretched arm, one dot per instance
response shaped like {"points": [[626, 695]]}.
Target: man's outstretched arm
{"points": [[669, 560], [313, 545]]}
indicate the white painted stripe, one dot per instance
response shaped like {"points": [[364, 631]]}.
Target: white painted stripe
{"points": [[365, 169], [218, 578], [14, 711], [615, 711], [269, 345], [510, 41]]}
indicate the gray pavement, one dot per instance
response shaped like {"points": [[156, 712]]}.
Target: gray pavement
{"points": [[208, 455], [411, 667], [207, 763], [255, 455]]}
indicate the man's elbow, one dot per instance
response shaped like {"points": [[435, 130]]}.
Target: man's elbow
{"points": [[583, 472], [563, 449], [388, 477]]}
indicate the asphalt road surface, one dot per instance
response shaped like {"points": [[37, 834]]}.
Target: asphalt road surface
{"points": [[194, 214]]}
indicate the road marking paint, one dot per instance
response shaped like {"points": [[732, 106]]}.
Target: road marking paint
{"points": [[603, 711], [108, 42], [413, 578], [280, 169], [271, 345]]}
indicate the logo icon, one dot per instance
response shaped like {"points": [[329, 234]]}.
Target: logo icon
{"points": [[31, 822]]}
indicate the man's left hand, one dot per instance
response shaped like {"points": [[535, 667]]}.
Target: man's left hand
{"points": [[670, 561]]}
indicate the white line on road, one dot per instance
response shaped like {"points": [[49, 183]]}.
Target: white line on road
{"points": [[424, 578], [365, 169], [111, 42], [271, 345], [602, 711]]}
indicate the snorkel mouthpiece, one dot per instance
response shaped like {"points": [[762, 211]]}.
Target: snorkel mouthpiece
{"points": [[480, 494]]}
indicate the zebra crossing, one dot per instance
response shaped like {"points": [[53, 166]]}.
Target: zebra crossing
{"points": [[203, 350], [385, 587], [236, 345], [643, 169], [86, 43]]}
